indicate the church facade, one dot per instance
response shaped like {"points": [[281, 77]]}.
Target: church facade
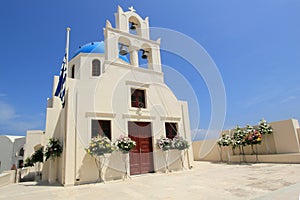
{"points": [[116, 87]]}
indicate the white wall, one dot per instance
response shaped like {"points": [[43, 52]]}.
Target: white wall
{"points": [[6, 153], [33, 138], [9, 151]]}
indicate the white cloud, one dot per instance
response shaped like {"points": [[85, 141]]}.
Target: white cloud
{"points": [[7, 112], [13, 123], [287, 99]]}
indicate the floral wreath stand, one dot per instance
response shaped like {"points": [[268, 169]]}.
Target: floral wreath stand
{"points": [[100, 161], [125, 158], [166, 157], [182, 158]]}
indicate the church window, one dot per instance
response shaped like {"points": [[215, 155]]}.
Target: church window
{"points": [[171, 130], [96, 69], [101, 128], [138, 98], [21, 152], [73, 71]]}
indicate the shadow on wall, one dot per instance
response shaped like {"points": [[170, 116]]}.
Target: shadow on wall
{"points": [[114, 166]]}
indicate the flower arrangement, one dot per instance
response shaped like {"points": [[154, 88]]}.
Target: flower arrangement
{"points": [[239, 137], [264, 127], [99, 146], [224, 140], [164, 143], [53, 148], [252, 136], [125, 144], [179, 143]]}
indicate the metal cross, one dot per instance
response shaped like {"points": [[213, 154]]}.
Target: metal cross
{"points": [[131, 9]]}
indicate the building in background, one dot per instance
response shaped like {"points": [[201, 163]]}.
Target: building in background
{"points": [[11, 152]]}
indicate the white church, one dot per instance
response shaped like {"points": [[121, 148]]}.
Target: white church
{"points": [[110, 93]]}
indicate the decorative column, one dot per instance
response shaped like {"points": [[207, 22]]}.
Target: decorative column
{"points": [[134, 58]]}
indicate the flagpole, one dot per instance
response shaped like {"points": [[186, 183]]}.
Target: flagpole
{"points": [[67, 47], [66, 106]]}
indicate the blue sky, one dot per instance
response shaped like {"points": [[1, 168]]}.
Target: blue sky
{"points": [[255, 45]]}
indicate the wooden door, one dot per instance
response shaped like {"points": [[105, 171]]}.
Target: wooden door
{"points": [[141, 157]]}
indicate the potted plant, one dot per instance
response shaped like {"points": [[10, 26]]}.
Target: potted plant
{"points": [[53, 149], [38, 157]]}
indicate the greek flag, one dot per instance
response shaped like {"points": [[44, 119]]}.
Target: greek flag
{"points": [[61, 86]]}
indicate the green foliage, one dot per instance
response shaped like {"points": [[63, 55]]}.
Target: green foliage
{"points": [[239, 137], [53, 148], [224, 140], [38, 156], [264, 127], [28, 162], [164, 143], [179, 143], [125, 144]]}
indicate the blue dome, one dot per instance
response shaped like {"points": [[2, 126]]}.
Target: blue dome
{"points": [[95, 47]]}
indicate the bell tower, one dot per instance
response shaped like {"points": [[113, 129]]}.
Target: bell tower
{"points": [[131, 36]]}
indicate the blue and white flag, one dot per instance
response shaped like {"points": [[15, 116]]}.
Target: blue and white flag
{"points": [[61, 86]]}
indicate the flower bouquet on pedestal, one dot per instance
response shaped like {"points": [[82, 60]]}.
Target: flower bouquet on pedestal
{"points": [[180, 144], [224, 141], [253, 137], [125, 145], [165, 144], [98, 148]]}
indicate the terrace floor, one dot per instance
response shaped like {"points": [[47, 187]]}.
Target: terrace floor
{"points": [[204, 181]]}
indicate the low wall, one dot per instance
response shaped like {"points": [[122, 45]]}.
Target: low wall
{"points": [[7, 177], [228, 155], [280, 147]]}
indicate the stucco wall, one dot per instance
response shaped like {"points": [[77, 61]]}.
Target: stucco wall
{"points": [[7, 177], [18, 145], [9, 151], [33, 138], [285, 136], [284, 140], [6, 153]]}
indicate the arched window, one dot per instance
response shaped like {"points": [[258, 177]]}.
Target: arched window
{"points": [[96, 68], [21, 152]]}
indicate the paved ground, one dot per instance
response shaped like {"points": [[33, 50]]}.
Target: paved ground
{"points": [[205, 181]]}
